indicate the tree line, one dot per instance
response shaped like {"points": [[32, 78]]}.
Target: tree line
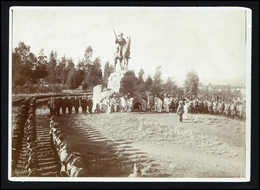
{"points": [[30, 70], [136, 85]]}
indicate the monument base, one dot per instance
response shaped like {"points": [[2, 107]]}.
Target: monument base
{"points": [[113, 86], [114, 81]]}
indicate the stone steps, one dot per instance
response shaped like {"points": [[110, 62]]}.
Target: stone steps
{"points": [[48, 165]]}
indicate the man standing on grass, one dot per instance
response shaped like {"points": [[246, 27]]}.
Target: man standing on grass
{"points": [[180, 110], [166, 103]]}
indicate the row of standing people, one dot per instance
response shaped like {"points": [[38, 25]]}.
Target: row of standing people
{"points": [[63, 105], [232, 109], [114, 103]]}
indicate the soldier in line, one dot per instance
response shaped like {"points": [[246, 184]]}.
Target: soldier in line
{"points": [[57, 104], [79, 100], [76, 104], [63, 105], [89, 105], [70, 104], [67, 103], [83, 104]]}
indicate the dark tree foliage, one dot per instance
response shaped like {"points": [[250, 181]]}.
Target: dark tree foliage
{"points": [[61, 71], [26, 67], [140, 82], [170, 87], [70, 70], [157, 82], [40, 68], [191, 84], [108, 69], [78, 78], [141, 76], [93, 76], [29, 69], [128, 83], [51, 67], [148, 83]]}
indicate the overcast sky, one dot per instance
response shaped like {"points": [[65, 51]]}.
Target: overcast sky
{"points": [[209, 41]]}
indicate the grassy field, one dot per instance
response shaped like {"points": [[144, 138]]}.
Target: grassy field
{"points": [[202, 146]]}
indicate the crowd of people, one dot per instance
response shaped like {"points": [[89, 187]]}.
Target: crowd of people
{"points": [[229, 107], [232, 107]]}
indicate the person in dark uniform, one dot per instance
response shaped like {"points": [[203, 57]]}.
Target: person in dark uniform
{"points": [[76, 104], [84, 104], [70, 104], [80, 100], [66, 102], [180, 110], [57, 106], [89, 104], [196, 106], [63, 105]]}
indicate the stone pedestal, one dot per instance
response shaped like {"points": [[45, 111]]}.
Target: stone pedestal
{"points": [[113, 86], [114, 81]]}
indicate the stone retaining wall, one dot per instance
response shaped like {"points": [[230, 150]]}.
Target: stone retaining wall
{"points": [[24, 142], [71, 162], [24, 135], [18, 132]]}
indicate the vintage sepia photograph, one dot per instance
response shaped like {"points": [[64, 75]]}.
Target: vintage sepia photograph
{"points": [[129, 93]]}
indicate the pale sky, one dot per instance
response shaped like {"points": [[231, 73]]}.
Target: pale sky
{"points": [[209, 41]]}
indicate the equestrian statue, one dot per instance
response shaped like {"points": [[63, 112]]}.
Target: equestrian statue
{"points": [[122, 53]]}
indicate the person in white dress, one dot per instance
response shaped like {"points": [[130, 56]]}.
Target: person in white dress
{"points": [[159, 104], [108, 105], [166, 103], [186, 110]]}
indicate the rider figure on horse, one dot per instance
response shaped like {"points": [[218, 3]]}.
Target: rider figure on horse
{"points": [[121, 44]]}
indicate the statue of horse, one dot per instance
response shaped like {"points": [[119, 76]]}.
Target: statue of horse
{"points": [[123, 60]]}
